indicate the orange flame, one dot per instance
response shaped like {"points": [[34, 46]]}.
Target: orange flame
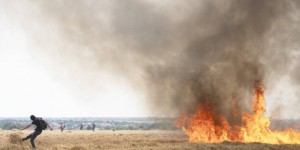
{"points": [[206, 126]]}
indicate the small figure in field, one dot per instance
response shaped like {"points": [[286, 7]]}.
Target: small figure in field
{"points": [[40, 126], [62, 127], [113, 126], [93, 126], [81, 126]]}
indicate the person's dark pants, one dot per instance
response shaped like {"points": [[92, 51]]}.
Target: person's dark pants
{"points": [[32, 137]]}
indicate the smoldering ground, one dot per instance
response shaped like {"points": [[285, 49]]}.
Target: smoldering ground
{"points": [[178, 53]]}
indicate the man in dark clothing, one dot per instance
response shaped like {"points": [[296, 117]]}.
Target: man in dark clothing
{"points": [[81, 126], [93, 126], [38, 130], [62, 127]]}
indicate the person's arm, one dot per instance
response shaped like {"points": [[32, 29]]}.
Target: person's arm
{"points": [[26, 127], [48, 125]]}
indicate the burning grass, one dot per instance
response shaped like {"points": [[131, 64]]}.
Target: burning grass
{"points": [[109, 140], [207, 126]]}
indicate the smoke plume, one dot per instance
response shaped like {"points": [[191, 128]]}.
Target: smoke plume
{"points": [[179, 54]]}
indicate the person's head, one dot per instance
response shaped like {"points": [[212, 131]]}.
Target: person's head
{"points": [[32, 117]]}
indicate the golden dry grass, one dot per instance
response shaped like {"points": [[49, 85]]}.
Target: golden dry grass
{"points": [[88, 140], [15, 138]]}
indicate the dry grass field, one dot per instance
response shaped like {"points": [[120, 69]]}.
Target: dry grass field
{"points": [[88, 140]]}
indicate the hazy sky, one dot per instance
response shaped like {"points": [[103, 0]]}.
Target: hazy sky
{"points": [[138, 58], [44, 73]]}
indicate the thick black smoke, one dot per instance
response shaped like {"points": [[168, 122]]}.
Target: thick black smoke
{"points": [[227, 49], [182, 53]]}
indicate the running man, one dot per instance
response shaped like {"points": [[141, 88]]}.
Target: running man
{"points": [[37, 131]]}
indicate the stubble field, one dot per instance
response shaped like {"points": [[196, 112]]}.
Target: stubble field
{"points": [[88, 140]]}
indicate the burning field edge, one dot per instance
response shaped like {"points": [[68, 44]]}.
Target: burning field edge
{"points": [[105, 139], [205, 125]]}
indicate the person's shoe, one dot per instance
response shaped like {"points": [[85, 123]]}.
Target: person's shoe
{"points": [[33, 149]]}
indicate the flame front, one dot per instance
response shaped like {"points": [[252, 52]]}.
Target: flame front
{"points": [[206, 126]]}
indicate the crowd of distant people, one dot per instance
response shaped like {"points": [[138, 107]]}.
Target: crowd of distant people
{"points": [[81, 127], [62, 126]]}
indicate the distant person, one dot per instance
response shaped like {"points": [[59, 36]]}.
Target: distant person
{"points": [[40, 126], [113, 126], [81, 126], [62, 127], [93, 126]]}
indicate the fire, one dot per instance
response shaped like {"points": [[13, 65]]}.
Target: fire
{"points": [[206, 126]]}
